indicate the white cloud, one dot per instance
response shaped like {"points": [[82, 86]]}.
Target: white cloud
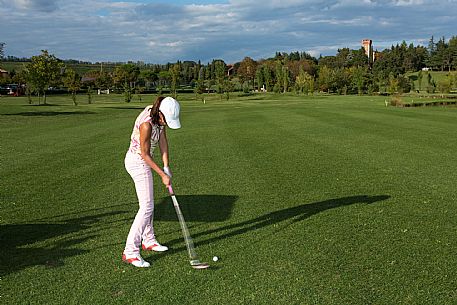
{"points": [[165, 32], [270, 3], [408, 2], [39, 5]]}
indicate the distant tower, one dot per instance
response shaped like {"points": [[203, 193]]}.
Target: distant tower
{"points": [[368, 47]]}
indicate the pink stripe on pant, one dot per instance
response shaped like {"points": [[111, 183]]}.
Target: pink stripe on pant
{"points": [[142, 227]]}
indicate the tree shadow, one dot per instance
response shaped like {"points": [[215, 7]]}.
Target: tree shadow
{"points": [[204, 208], [293, 215], [50, 113], [26, 245], [44, 105]]}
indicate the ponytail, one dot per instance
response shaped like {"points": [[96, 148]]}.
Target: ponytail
{"points": [[155, 117]]}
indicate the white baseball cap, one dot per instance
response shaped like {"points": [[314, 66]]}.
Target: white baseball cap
{"points": [[170, 109]]}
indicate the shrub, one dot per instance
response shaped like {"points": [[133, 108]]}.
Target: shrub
{"points": [[404, 84], [396, 101]]}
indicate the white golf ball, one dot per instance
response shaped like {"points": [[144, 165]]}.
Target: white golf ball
{"points": [[215, 259]]}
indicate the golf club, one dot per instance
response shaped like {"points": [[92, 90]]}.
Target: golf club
{"points": [[194, 261]]}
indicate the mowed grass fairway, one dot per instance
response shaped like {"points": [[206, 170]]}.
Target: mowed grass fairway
{"points": [[305, 200]]}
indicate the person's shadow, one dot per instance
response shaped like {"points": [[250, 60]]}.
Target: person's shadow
{"points": [[201, 208], [293, 214], [22, 244]]}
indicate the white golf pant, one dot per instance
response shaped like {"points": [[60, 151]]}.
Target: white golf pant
{"points": [[141, 229]]}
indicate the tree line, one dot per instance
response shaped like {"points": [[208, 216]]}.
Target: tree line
{"points": [[350, 71]]}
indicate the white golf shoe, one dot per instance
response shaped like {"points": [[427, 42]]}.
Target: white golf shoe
{"points": [[154, 246], [136, 261]]}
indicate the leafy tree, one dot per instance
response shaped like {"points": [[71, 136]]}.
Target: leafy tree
{"points": [[90, 92], [359, 58], [419, 79], [175, 73], [20, 78], [208, 75], [304, 82], [197, 69], [295, 66], [104, 80], [431, 60], [164, 78], [127, 92], [414, 58], [247, 70], [431, 85], [358, 78], [186, 72], [343, 58], [2, 50], [220, 74], [42, 71], [267, 77], [393, 84], [324, 78], [24, 78], [340, 80], [5, 80], [100, 79], [259, 78], [73, 83], [285, 78], [148, 77], [420, 57], [441, 55], [200, 85], [278, 87], [328, 61], [404, 84], [453, 51], [127, 75], [311, 84], [431, 45], [228, 87]]}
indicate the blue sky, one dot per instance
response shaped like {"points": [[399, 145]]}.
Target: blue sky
{"points": [[157, 31]]}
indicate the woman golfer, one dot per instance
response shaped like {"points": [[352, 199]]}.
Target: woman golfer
{"points": [[148, 133]]}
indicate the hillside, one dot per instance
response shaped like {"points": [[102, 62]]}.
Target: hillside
{"points": [[436, 76]]}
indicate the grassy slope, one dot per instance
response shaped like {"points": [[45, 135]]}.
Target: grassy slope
{"points": [[437, 76], [325, 200]]}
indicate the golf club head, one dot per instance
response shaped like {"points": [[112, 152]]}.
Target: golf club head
{"points": [[196, 264], [201, 266]]}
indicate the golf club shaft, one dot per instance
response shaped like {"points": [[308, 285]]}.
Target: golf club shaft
{"points": [[187, 238]]}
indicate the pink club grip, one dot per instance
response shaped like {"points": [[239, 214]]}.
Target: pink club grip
{"points": [[170, 189]]}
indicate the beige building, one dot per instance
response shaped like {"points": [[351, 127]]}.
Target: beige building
{"points": [[3, 73]]}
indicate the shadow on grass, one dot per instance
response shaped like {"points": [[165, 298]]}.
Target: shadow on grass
{"points": [[294, 214], [75, 215], [46, 244], [204, 208]]}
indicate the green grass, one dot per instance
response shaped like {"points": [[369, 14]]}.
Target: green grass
{"points": [[11, 65], [317, 200], [437, 76]]}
